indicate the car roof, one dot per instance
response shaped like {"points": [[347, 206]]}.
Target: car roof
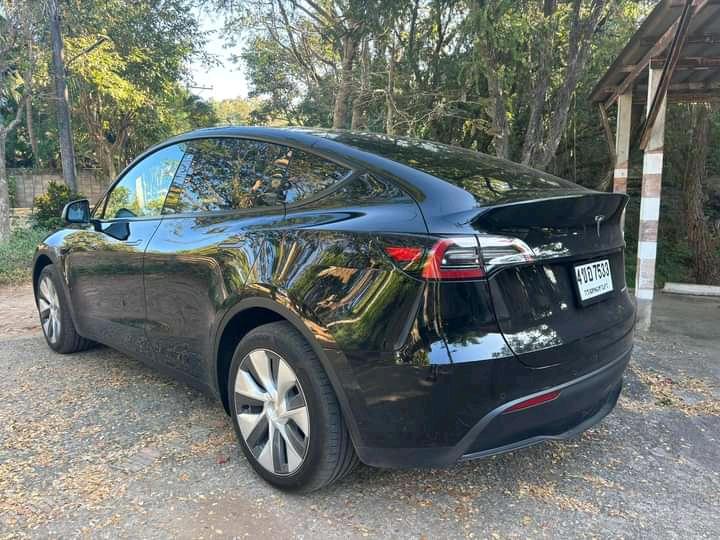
{"points": [[337, 146], [446, 181]]}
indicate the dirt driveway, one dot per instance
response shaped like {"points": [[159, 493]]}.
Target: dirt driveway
{"points": [[96, 444], [17, 312]]}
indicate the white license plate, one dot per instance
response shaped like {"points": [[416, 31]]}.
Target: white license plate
{"points": [[593, 279]]}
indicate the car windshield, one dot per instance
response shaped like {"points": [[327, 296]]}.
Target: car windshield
{"points": [[486, 177]]}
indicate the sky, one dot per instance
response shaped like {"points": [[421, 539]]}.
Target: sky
{"points": [[227, 79]]}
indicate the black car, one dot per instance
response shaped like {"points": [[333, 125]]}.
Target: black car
{"points": [[352, 296]]}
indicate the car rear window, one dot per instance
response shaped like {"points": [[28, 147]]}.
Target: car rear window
{"points": [[309, 174]]}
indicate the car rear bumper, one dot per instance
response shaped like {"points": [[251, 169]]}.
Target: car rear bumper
{"points": [[582, 402]]}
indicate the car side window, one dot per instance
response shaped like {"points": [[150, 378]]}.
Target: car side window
{"points": [[365, 189], [142, 190], [309, 174], [229, 174]]}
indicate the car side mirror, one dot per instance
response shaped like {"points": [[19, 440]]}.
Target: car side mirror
{"points": [[77, 212]]}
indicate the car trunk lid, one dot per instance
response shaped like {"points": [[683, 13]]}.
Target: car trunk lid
{"points": [[531, 250]]}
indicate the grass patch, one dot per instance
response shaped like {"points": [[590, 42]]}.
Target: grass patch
{"points": [[16, 255]]}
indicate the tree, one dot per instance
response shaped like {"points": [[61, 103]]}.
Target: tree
{"points": [[134, 58], [558, 38], [320, 38], [13, 66], [236, 111], [67, 149], [493, 75], [703, 244]]}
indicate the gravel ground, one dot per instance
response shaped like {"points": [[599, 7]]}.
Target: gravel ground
{"points": [[96, 444]]}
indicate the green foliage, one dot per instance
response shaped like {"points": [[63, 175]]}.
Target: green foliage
{"points": [[16, 255], [49, 206], [236, 111]]}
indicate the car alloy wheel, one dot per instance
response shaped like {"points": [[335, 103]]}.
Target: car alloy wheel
{"points": [[272, 412], [49, 307]]}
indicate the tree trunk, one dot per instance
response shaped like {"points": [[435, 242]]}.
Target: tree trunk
{"points": [[107, 161], [390, 91], [496, 108], [543, 72], [703, 245], [359, 108], [31, 135], [4, 194], [340, 112], [28, 81], [4, 191], [581, 33], [67, 151]]}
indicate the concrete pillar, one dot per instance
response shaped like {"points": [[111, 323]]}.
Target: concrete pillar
{"points": [[650, 209], [622, 142]]}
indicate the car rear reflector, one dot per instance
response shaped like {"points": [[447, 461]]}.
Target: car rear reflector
{"points": [[533, 402]]}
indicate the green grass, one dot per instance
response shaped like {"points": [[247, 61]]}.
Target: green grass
{"points": [[17, 253]]}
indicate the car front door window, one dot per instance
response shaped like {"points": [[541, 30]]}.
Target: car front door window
{"points": [[229, 174], [142, 190]]}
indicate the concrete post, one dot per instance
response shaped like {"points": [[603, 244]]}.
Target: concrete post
{"points": [[622, 142], [650, 208]]}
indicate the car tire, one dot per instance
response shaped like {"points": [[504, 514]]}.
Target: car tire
{"points": [[267, 411], [55, 319]]}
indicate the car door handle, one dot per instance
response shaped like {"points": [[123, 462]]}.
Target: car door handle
{"points": [[133, 242]]}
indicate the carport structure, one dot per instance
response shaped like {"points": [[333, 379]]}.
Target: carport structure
{"points": [[674, 56]]}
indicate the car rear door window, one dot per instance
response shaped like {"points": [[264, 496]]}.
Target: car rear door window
{"points": [[142, 190], [309, 174], [229, 174]]}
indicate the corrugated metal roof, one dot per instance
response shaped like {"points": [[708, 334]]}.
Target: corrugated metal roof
{"points": [[697, 74]]}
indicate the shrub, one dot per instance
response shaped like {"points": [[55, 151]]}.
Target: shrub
{"points": [[12, 191], [49, 206], [16, 255]]}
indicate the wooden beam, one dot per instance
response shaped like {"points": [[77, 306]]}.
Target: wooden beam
{"points": [[680, 88], [688, 62], [694, 98], [658, 100], [693, 39], [681, 3], [622, 142], [659, 47]]}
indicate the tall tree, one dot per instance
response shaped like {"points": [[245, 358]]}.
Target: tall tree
{"points": [[28, 78], [62, 100], [703, 244]]}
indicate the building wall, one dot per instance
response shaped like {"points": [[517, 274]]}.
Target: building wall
{"points": [[31, 182]]}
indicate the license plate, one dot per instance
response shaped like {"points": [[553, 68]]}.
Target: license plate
{"points": [[593, 279]]}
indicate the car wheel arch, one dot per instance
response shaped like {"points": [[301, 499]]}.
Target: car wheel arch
{"points": [[41, 261], [258, 311], [270, 311]]}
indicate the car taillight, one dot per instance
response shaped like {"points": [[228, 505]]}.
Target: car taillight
{"points": [[456, 258], [498, 251]]}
